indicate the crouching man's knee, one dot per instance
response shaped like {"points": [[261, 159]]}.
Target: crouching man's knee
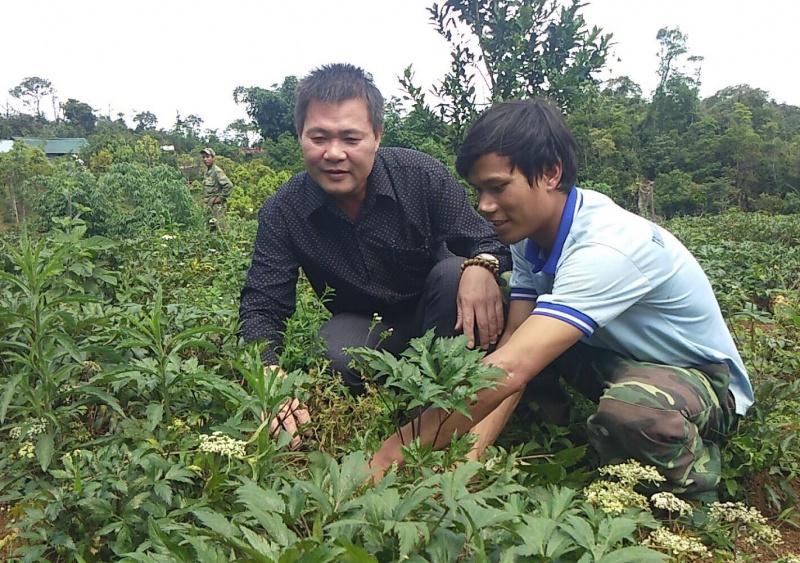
{"points": [[662, 438]]}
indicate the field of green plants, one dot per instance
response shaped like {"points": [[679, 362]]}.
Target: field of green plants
{"points": [[132, 423]]}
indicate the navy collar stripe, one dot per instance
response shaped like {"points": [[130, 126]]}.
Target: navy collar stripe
{"points": [[542, 262]]}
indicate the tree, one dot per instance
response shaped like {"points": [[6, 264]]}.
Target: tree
{"points": [[31, 91], [147, 151], [418, 128], [20, 125], [605, 126], [673, 45], [189, 127], [16, 167], [740, 148], [674, 106], [519, 48], [238, 132], [80, 114], [271, 111], [145, 121], [676, 97]]}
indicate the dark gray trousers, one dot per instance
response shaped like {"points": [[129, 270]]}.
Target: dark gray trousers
{"points": [[436, 309]]}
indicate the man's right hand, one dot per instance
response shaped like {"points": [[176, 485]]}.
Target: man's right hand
{"points": [[290, 417]]}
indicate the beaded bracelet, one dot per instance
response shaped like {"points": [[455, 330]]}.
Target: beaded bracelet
{"points": [[483, 263]]}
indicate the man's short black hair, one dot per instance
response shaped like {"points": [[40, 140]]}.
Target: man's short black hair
{"points": [[531, 133], [336, 83]]}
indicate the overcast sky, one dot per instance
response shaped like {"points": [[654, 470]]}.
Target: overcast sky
{"points": [[179, 56]]}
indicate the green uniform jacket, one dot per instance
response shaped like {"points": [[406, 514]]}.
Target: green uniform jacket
{"points": [[216, 184]]}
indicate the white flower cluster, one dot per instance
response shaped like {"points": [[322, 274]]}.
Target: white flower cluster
{"points": [[167, 237], [675, 544], [36, 427], [671, 503], [614, 498], [224, 445], [739, 513], [735, 512], [632, 472]]}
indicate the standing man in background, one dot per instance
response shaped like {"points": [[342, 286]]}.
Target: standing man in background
{"points": [[216, 187]]}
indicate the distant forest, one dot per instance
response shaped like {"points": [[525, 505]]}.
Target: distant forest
{"points": [[663, 154]]}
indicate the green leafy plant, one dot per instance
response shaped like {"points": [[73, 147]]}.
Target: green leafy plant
{"points": [[439, 372]]}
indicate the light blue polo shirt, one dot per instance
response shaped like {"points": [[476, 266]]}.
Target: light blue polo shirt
{"points": [[629, 286]]}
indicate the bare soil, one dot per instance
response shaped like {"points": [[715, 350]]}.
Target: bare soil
{"points": [[6, 550], [789, 528]]}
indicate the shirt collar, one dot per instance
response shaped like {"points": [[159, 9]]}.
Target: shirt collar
{"points": [[542, 262], [313, 197]]}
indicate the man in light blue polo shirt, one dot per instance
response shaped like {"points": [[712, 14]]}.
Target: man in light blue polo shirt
{"points": [[602, 297]]}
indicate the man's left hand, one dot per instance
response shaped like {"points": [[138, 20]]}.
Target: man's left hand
{"points": [[480, 305]]}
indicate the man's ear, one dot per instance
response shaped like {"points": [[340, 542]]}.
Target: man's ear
{"points": [[378, 136], [551, 175]]}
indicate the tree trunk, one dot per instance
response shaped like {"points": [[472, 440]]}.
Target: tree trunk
{"points": [[645, 201]]}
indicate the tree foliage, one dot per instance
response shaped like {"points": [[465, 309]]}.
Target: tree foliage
{"points": [[120, 201], [270, 110], [145, 121], [31, 91], [16, 167], [526, 48], [736, 148], [80, 114], [512, 49]]}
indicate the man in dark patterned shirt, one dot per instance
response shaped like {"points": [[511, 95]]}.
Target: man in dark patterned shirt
{"points": [[389, 230]]}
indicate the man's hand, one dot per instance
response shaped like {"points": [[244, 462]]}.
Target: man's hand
{"points": [[480, 303], [290, 417]]}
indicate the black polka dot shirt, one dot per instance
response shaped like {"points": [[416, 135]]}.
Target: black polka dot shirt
{"points": [[414, 212]]}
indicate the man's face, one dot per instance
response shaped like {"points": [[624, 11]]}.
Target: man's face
{"points": [[208, 160], [515, 208], [339, 147]]}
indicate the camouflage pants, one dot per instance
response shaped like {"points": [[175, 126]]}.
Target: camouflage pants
{"points": [[215, 212], [671, 418]]}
